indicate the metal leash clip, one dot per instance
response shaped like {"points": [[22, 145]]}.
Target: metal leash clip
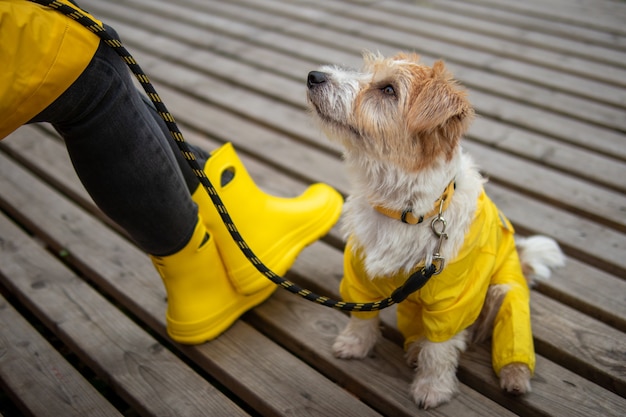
{"points": [[438, 226]]}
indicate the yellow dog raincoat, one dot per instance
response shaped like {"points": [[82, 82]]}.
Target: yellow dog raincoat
{"points": [[452, 300]]}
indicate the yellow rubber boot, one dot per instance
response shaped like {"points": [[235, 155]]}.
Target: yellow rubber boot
{"points": [[202, 302], [275, 228]]}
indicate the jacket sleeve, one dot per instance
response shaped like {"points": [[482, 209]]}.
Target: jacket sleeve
{"points": [[353, 286]]}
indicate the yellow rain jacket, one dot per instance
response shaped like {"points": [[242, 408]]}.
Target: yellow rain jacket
{"points": [[42, 52], [452, 300]]}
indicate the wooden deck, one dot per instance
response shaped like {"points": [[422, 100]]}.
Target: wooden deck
{"points": [[82, 309]]}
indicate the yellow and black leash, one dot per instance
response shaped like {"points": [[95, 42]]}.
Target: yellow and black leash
{"points": [[415, 281]]}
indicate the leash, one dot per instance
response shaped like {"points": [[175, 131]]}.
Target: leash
{"points": [[415, 281]]}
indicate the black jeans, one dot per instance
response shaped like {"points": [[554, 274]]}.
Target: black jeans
{"points": [[124, 155]]}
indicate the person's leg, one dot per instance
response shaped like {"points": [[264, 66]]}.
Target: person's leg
{"points": [[201, 155], [123, 157], [122, 153]]}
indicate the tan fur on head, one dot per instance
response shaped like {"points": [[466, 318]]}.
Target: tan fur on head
{"points": [[401, 110], [425, 113]]}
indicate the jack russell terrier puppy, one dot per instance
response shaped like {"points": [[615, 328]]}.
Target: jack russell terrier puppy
{"points": [[417, 199]]}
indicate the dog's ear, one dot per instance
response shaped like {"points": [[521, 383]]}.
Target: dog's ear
{"points": [[439, 103]]}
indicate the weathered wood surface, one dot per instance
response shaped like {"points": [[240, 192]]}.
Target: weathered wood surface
{"points": [[36, 372], [548, 81]]}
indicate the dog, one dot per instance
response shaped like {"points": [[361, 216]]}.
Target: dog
{"points": [[417, 199]]}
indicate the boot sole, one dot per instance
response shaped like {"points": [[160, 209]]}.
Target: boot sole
{"points": [[200, 331]]}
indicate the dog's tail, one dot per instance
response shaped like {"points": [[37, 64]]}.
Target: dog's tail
{"points": [[539, 255]]}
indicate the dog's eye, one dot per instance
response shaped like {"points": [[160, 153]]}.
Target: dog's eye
{"points": [[388, 90]]}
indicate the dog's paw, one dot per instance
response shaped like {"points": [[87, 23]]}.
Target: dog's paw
{"points": [[515, 379], [357, 340], [350, 346], [432, 392]]}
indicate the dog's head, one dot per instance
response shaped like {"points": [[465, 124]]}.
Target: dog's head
{"points": [[394, 109]]}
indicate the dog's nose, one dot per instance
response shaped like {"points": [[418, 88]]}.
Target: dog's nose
{"points": [[315, 78]]}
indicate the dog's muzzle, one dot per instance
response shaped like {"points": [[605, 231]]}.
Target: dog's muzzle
{"points": [[316, 78]]}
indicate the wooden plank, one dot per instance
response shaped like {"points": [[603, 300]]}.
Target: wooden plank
{"points": [[582, 16], [147, 376], [538, 96], [567, 158], [355, 35], [599, 7], [283, 118], [559, 28], [580, 343], [126, 274], [485, 82], [566, 128], [603, 114], [417, 23], [562, 190], [272, 380], [538, 23], [588, 290], [35, 375], [532, 216], [510, 32], [382, 379], [556, 391]]}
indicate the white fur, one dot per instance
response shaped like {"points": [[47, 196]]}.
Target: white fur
{"points": [[358, 338], [539, 255], [390, 245], [435, 379]]}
